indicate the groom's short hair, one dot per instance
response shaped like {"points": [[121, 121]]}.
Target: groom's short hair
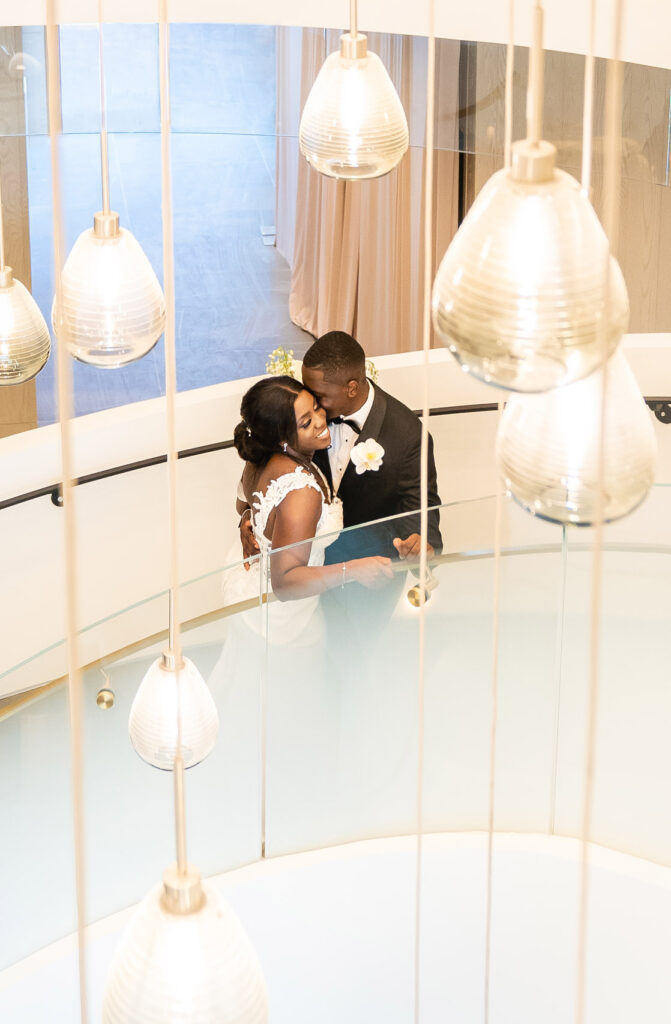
{"points": [[337, 354]]}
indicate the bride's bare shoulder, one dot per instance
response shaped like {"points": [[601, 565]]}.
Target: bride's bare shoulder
{"points": [[277, 466]]}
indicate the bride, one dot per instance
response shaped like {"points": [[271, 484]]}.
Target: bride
{"points": [[287, 646], [287, 496]]}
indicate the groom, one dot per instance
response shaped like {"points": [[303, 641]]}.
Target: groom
{"points": [[372, 429]]}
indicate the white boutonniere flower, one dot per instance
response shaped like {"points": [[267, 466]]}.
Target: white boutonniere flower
{"points": [[367, 455]]}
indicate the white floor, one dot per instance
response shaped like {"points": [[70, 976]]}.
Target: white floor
{"points": [[334, 931]]}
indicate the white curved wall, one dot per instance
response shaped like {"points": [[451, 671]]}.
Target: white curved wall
{"points": [[354, 723], [646, 24], [334, 934]]}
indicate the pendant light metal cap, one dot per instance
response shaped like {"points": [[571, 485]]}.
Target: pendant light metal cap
{"points": [[169, 662], [353, 47], [533, 162], [182, 892], [106, 225]]}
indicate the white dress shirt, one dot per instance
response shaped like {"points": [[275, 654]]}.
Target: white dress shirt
{"points": [[343, 439]]}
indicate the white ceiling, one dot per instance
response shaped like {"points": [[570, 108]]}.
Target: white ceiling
{"points": [[646, 35]]}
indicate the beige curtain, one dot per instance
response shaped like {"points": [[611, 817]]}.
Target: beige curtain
{"points": [[356, 248]]}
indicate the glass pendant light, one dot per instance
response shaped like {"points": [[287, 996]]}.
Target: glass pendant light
{"points": [[109, 309], [185, 958], [24, 335], [548, 448], [153, 715], [521, 297], [169, 703], [353, 123]]}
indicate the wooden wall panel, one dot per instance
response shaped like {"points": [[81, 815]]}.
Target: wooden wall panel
{"points": [[663, 296]]}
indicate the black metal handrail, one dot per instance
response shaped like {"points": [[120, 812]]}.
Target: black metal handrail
{"points": [[54, 490], [661, 407]]}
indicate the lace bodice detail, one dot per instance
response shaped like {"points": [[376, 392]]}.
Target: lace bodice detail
{"points": [[239, 585], [330, 519]]}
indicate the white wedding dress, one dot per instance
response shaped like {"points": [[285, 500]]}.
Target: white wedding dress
{"points": [[274, 672], [288, 622]]}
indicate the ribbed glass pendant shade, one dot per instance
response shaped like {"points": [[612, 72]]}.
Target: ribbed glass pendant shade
{"points": [[353, 123], [548, 448], [110, 310], [521, 297], [24, 335], [185, 968], [152, 724]]}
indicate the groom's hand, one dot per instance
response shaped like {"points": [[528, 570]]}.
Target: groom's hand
{"points": [[411, 547], [249, 543]]}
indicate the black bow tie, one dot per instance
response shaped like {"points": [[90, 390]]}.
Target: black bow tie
{"points": [[349, 423]]}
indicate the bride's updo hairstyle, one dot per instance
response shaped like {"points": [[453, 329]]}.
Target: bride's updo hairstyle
{"points": [[268, 419]]}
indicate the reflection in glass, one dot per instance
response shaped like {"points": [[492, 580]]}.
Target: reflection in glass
{"points": [[548, 448], [353, 124], [24, 335], [110, 308], [21, 64], [521, 297]]}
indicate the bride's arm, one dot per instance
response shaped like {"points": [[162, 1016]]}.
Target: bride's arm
{"points": [[296, 519], [243, 508]]}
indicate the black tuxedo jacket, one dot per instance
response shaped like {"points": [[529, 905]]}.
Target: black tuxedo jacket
{"points": [[392, 489]]}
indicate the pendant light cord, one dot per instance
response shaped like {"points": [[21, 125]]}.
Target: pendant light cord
{"points": [[498, 520], [535, 91], [353, 29], [104, 157], [64, 379], [508, 105], [170, 404], [612, 157], [613, 147], [424, 483], [588, 104], [557, 672]]}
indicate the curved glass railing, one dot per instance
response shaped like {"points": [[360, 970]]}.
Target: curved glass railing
{"points": [[318, 709]]}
